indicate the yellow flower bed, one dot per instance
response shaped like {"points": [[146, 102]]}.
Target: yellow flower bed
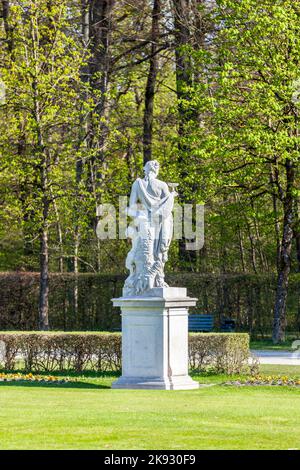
{"points": [[5, 377], [274, 380]]}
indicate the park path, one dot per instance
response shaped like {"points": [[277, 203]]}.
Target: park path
{"points": [[277, 357]]}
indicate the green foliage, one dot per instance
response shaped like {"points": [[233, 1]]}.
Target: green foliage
{"points": [[62, 351], [245, 100], [47, 67], [39, 120], [226, 140], [226, 353], [222, 352]]}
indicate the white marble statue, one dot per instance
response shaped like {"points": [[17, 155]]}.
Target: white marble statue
{"points": [[150, 206]]}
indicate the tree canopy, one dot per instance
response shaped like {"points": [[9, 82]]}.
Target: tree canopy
{"points": [[92, 89]]}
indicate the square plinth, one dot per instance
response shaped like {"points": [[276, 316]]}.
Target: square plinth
{"points": [[155, 340]]}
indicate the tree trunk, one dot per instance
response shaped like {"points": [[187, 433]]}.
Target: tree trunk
{"points": [[285, 258], [183, 84], [25, 194], [276, 219], [99, 30], [240, 239], [99, 68], [151, 81], [263, 261], [242, 251], [183, 65], [59, 236], [7, 26], [85, 26], [100, 19], [44, 253], [44, 281], [75, 292], [297, 238], [252, 245], [25, 189], [296, 233], [83, 136], [44, 168]]}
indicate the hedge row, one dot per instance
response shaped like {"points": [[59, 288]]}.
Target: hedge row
{"points": [[224, 353]]}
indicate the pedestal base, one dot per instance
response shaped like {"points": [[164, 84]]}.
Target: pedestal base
{"points": [[155, 340], [160, 383]]}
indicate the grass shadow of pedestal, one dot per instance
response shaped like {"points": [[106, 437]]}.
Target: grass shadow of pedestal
{"points": [[69, 385], [80, 380]]}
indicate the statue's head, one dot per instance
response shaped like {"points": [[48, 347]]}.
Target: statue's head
{"points": [[151, 168]]}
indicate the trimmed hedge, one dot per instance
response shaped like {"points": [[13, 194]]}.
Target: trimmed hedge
{"points": [[61, 351], [222, 352]]}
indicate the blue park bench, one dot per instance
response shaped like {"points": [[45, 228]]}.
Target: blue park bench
{"points": [[205, 323], [227, 325], [201, 322]]}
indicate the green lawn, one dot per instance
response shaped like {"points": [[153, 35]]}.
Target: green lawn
{"points": [[268, 344], [89, 415]]}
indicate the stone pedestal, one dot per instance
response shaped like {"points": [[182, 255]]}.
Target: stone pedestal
{"points": [[155, 340]]}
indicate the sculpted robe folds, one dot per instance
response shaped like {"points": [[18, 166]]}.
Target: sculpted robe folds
{"points": [[154, 316], [151, 205]]}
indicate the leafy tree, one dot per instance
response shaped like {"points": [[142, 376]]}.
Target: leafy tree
{"points": [[252, 71], [41, 76]]}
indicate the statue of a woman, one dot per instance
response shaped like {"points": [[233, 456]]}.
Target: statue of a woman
{"points": [[151, 204]]}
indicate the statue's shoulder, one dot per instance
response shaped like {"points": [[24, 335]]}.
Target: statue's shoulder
{"points": [[136, 183], [162, 184]]}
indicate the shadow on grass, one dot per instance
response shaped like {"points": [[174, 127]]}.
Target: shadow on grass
{"points": [[65, 373], [81, 385], [61, 374], [204, 373]]}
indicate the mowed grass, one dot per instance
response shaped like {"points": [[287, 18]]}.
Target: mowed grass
{"points": [[267, 344], [89, 415]]}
